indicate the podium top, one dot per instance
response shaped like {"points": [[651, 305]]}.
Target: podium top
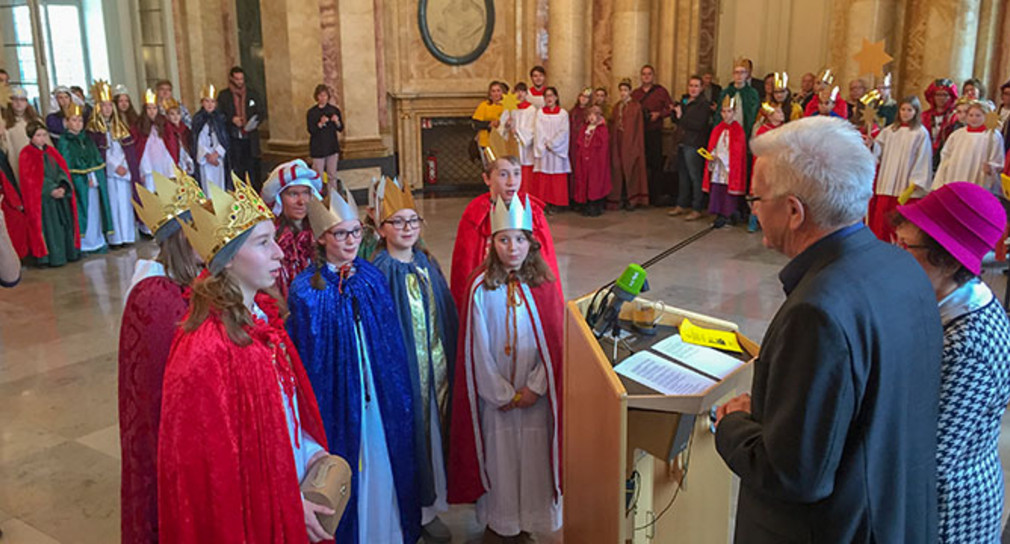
{"points": [[641, 397]]}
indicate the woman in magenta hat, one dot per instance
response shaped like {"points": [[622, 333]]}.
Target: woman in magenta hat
{"points": [[948, 233]]}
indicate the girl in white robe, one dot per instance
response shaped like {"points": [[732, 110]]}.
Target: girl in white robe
{"points": [[973, 154], [905, 152], [124, 230], [208, 144], [550, 150]]}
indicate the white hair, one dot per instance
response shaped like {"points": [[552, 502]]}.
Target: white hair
{"points": [[823, 162]]}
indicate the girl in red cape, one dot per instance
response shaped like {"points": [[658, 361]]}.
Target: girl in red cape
{"points": [[592, 158], [47, 194], [505, 433], [155, 305], [239, 422], [940, 116], [726, 176]]}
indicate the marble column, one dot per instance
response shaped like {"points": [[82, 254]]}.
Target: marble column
{"points": [[941, 38], [358, 57], [566, 48], [206, 46], [292, 62], [631, 39], [986, 65], [603, 44]]}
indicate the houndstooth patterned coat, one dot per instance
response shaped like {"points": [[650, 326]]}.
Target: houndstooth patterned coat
{"points": [[974, 391]]}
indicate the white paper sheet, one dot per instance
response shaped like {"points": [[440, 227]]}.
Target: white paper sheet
{"points": [[706, 360], [665, 377]]}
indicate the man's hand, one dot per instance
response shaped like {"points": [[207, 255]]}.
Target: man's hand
{"points": [[527, 398], [312, 525], [736, 404], [677, 111]]}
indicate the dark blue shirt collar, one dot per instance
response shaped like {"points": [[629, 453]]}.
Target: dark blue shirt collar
{"points": [[793, 272]]}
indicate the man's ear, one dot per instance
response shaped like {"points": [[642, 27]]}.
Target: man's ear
{"points": [[797, 212]]}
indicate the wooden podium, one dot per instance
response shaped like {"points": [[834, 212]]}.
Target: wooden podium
{"points": [[604, 425]]}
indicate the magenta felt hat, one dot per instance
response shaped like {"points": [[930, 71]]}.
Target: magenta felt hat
{"points": [[964, 218]]}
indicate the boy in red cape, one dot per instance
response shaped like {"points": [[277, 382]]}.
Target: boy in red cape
{"points": [[507, 388], [726, 176], [47, 194], [503, 178]]}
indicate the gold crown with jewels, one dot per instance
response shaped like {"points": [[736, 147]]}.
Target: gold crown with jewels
{"points": [[172, 198], [234, 212]]}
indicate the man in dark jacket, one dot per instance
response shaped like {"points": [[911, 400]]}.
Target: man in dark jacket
{"points": [[244, 111], [693, 115], [838, 442]]}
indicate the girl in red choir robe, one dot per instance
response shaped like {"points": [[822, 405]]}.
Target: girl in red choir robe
{"points": [[550, 150], [155, 305], [592, 161], [239, 424], [726, 176], [506, 408], [473, 237], [941, 95], [177, 136]]}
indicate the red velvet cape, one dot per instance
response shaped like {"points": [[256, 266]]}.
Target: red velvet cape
{"points": [[737, 158], [150, 319], [226, 473], [32, 176], [176, 136], [464, 472], [473, 239], [591, 165], [841, 107], [14, 216]]}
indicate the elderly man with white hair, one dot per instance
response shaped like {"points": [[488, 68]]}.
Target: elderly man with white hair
{"points": [[837, 441]]}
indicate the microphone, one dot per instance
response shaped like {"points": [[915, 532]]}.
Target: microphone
{"points": [[628, 286]]}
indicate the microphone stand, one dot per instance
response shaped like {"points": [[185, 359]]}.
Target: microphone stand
{"points": [[594, 311]]}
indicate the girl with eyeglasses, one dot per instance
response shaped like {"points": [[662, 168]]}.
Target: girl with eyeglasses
{"points": [[345, 328], [428, 322]]}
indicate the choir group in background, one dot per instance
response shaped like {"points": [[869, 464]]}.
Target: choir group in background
{"points": [[280, 325]]}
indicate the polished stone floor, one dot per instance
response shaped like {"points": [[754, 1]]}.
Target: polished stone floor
{"points": [[59, 451]]}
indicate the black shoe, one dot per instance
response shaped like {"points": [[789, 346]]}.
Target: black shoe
{"points": [[720, 222]]}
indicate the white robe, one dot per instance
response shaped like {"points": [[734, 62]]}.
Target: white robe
{"points": [[207, 143], [524, 121], [720, 166], [156, 159], [536, 100], [92, 237], [518, 444], [124, 229], [906, 158], [551, 130], [965, 153]]}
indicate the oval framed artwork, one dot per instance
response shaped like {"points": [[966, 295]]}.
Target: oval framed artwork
{"points": [[456, 32]]}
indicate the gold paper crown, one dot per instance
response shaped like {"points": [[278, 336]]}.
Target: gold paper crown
{"points": [[101, 91], [626, 81], [781, 80], [234, 213], [169, 104], [767, 108], [74, 110], [743, 62], [831, 96], [323, 218], [173, 197], [511, 215], [871, 98], [390, 198], [587, 91], [729, 102], [150, 97], [826, 76], [208, 91]]}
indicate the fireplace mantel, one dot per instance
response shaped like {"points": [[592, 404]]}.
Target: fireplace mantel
{"points": [[410, 109]]}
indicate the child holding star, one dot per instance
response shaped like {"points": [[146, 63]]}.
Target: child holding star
{"points": [[726, 176]]}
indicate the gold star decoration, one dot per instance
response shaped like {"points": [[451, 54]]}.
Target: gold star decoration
{"points": [[992, 121], [509, 102], [872, 58]]}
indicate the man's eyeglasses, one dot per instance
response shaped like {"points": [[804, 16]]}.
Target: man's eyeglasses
{"points": [[341, 235], [906, 246], [400, 223], [751, 199]]}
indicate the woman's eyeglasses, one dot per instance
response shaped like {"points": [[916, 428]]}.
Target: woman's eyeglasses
{"points": [[400, 223]]}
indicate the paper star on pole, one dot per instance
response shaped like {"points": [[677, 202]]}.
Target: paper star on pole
{"points": [[509, 102], [872, 58], [869, 118], [992, 121]]}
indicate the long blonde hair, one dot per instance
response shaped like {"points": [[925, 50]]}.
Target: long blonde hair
{"points": [[533, 272], [220, 294]]}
